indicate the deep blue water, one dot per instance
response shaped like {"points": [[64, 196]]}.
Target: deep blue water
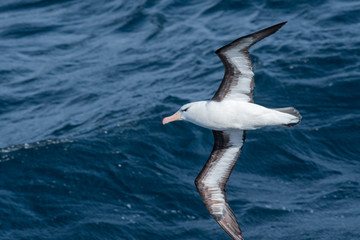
{"points": [[84, 86]]}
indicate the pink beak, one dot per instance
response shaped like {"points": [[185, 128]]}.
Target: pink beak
{"points": [[172, 118]]}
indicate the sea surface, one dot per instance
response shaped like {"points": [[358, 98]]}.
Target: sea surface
{"points": [[84, 86]]}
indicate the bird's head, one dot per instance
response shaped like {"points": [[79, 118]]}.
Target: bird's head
{"points": [[186, 112]]}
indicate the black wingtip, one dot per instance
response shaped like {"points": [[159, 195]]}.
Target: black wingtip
{"points": [[266, 32], [281, 24], [276, 27], [255, 37]]}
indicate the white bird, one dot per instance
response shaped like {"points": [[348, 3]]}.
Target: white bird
{"points": [[229, 113]]}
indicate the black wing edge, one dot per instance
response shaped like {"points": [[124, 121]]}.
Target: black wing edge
{"points": [[221, 143], [228, 79], [227, 221], [257, 36]]}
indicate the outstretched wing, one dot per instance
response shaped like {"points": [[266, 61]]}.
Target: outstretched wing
{"points": [[211, 182], [238, 81]]}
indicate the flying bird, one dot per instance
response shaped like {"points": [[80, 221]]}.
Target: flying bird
{"points": [[229, 114]]}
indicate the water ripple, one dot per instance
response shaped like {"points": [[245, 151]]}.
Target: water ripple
{"points": [[84, 86]]}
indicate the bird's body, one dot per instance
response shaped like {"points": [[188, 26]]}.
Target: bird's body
{"points": [[229, 113], [236, 115]]}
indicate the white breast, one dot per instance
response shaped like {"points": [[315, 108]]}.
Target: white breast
{"points": [[230, 115]]}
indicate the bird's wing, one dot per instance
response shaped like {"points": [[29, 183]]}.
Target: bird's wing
{"points": [[238, 81], [213, 177]]}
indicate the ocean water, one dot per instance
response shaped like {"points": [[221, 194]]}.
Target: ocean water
{"points": [[84, 86]]}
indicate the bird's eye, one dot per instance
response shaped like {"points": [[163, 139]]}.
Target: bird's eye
{"points": [[184, 110]]}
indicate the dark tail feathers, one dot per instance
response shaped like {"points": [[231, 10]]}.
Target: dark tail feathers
{"points": [[291, 111]]}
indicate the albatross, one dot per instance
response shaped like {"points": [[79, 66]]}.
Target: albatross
{"points": [[229, 114]]}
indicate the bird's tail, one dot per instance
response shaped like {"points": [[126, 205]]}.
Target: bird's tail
{"points": [[293, 112]]}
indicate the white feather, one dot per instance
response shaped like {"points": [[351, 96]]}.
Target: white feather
{"points": [[243, 84], [234, 115]]}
